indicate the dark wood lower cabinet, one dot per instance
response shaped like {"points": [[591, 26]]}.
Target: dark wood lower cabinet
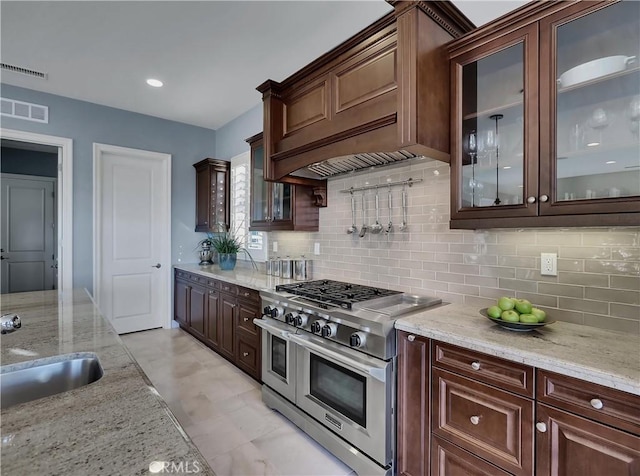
{"points": [[570, 445], [449, 460], [479, 426], [221, 320], [414, 412], [227, 311]]}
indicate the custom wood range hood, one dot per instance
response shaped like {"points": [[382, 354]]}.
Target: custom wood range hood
{"points": [[380, 97]]}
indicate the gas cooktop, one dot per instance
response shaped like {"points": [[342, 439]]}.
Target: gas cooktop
{"points": [[337, 293]]}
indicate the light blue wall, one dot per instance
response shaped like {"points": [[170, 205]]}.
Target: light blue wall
{"points": [[87, 123], [28, 162], [230, 138]]}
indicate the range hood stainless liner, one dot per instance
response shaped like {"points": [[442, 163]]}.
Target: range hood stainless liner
{"points": [[351, 163]]}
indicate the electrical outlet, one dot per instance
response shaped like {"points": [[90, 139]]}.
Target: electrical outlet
{"points": [[548, 264], [275, 246], [316, 248]]}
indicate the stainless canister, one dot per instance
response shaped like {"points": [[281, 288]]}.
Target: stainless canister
{"points": [[267, 267], [287, 268], [276, 269], [302, 269]]}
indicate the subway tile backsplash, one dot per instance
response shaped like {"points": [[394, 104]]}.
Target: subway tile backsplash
{"points": [[598, 282]]}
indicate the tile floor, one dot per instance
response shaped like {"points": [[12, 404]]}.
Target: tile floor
{"points": [[221, 409]]}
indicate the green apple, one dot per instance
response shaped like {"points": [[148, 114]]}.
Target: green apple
{"points": [[523, 306], [539, 313], [510, 316], [494, 312], [528, 319], [506, 303]]}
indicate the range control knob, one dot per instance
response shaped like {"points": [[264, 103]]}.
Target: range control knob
{"points": [[317, 326], [357, 339], [276, 312], [301, 320], [267, 310], [290, 318], [329, 330]]}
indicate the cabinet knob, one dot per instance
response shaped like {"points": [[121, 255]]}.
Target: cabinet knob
{"points": [[541, 427], [206, 222], [245, 319], [246, 294], [544, 198], [210, 292], [531, 199], [596, 403], [245, 354], [475, 365], [411, 338], [475, 420]]}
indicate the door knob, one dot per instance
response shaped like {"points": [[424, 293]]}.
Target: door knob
{"points": [[2, 257], [157, 266]]}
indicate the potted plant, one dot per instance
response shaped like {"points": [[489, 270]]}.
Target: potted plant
{"points": [[227, 245]]}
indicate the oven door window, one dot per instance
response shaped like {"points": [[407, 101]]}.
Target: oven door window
{"points": [[279, 356], [341, 389]]}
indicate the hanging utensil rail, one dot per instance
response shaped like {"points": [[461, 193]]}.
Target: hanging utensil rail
{"points": [[408, 182]]}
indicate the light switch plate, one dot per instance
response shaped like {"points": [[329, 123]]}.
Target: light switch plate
{"points": [[548, 264]]}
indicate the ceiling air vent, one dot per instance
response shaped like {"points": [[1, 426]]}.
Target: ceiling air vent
{"points": [[28, 72], [24, 110]]}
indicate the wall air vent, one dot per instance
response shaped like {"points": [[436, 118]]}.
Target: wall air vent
{"points": [[28, 72], [24, 110]]}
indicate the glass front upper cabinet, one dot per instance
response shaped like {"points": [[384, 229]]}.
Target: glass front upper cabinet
{"points": [[259, 188], [493, 129], [597, 105]]}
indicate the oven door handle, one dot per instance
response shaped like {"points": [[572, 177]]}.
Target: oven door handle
{"points": [[376, 372], [272, 329]]}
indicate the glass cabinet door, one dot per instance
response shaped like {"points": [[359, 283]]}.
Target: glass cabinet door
{"points": [[495, 161], [595, 106], [259, 188], [281, 201]]}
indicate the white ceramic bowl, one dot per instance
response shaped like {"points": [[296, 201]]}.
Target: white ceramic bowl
{"points": [[595, 69]]}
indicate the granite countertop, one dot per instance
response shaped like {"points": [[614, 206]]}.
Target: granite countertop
{"points": [[604, 357], [117, 425], [242, 276]]}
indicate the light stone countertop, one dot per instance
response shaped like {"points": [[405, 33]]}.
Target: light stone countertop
{"points": [[116, 425], [241, 275], [604, 357]]}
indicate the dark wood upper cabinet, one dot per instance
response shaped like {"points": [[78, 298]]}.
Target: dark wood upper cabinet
{"points": [[546, 118], [279, 206], [212, 195]]}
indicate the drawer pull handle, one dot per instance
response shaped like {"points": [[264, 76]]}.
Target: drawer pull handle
{"points": [[475, 420], [245, 319], [596, 403], [245, 354], [411, 338], [475, 365], [541, 427]]}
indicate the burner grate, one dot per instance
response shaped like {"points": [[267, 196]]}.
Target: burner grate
{"points": [[336, 292]]}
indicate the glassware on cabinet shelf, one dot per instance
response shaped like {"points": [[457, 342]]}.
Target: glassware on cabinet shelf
{"points": [[633, 113]]}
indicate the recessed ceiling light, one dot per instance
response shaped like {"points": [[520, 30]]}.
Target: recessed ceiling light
{"points": [[609, 162], [506, 167], [156, 83], [593, 144]]}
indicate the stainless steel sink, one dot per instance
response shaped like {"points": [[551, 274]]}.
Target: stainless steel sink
{"points": [[45, 377]]}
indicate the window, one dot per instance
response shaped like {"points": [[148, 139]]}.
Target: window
{"points": [[254, 241]]}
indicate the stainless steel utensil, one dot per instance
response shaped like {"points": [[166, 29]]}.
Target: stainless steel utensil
{"points": [[403, 225], [377, 227], [389, 227], [353, 228], [363, 230]]}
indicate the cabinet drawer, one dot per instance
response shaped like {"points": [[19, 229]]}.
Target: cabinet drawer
{"points": [[603, 404], [502, 373], [248, 358], [228, 288], [490, 423], [182, 274], [248, 294], [449, 460]]}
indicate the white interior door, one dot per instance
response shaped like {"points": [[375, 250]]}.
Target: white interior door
{"points": [[27, 256], [132, 237]]}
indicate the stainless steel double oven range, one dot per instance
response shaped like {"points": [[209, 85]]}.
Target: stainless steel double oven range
{"points": [[329, 365]]}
